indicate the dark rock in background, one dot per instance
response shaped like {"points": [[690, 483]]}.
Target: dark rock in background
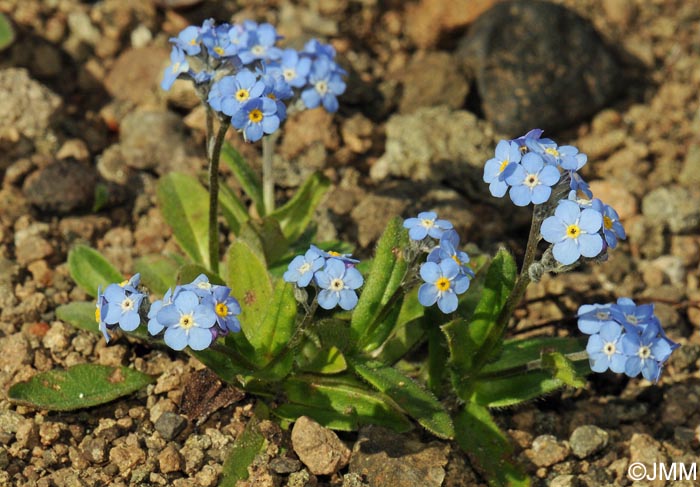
{"points": [[538, 64], [62, 187]]}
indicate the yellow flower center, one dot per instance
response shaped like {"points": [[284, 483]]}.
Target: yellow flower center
{"points": [[193, 41], [97, 315], [271, 96], [176, 67], [333, 253], [552, 152], [221, 310], [186, 321], [124, 283], [255, 116], [504, 164], [242, 94], [443, 284], [607, 222], [573, 231], [219, 50], [456, 259]]}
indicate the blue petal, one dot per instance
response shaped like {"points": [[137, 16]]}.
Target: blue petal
{"points": [[348, 299], [633, 366], [540, 194], [598, 362], [253, 132], [430, 272], [186, 301], [610, 331], [130, 321], [520, 195], [327, 299], [617, 363], [427, 294], [353, 279], [590, 245], [553, 229], [322, 279], [590, 221], [567, 211], [175, 338], [448, 302], [168, 315], [566, 251], [532, 162], [199, 338], [549, 176], [595, 344]]}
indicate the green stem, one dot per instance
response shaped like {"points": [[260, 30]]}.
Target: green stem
{"points": [[516, 295], [268, 180], [233, 354], [214, 154]]}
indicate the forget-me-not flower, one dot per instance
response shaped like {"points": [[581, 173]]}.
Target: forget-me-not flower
{"points": [[443, 282], [604, 349], [178, 65], [187, 321], [302, 268], [425, 225], [612, 228], [592, 316], [573, 232], [646, 352], [531, 181], [500, 167], [227, 309], [326, 85], [256, 118], [338, 284]]}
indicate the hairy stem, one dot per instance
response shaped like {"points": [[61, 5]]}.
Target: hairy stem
{"points": [[532, 365], [213, 154], [268, 180]]}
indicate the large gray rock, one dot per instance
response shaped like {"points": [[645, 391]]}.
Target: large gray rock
{"points": [[538, 64]]}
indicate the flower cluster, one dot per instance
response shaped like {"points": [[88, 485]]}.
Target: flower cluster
{"points": [[531, 169], [625, 338], [331, 272], [193, 315], [243, 75], [445, 273]]}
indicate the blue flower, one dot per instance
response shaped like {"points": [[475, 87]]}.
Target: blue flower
{"points": [[326, 85], [573, 232], [218, 42], [155, 327], [230, 93], [500, 167], [425, 225], [101, 312], [646, 353], [316, 48], [122, 307], [443, 282], [302, 268], [188, 40], [533, 134], [604, 349], [226, 308], [447, 249], [294, 68], [347, 259], [178, 65], [338, 284], [260, 44], [200, 286], [532, 180], [188, 321], [635, 318], [592, 316], [256, 118], [612, 228]]}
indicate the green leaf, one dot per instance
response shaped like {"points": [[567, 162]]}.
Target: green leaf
{"points": [[249, 181], [101, 197], [245, 448], [79, 386], [278, 325], [326, 361], [79, 314], [416, 401], [90, 270], [562, 369], [465, 339], [404, 338], [294, 216], [265, 235], [251, 286], [346, 396], [375, 316], [518, 352], [7, 32], [158, 272], [235, 213], [185, 207], [488, 447]]}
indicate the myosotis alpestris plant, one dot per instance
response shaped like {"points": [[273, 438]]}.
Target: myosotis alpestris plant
{"points": [[329, 336]]}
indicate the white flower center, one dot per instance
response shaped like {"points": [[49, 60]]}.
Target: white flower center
{"points": [[321, 87], [609, 349], [427, 223], [337, 284], [644, 352], [531, 180], [632, 319], [602, 315], [304, 268], [289, 74], [127, 305], [258, 50], [186, 321], [204, 285]]}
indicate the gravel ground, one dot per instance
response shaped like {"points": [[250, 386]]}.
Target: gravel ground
{"points": [[428, 96]]}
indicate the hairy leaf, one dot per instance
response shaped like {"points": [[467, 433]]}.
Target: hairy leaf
{"points": [[90, 270]]}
